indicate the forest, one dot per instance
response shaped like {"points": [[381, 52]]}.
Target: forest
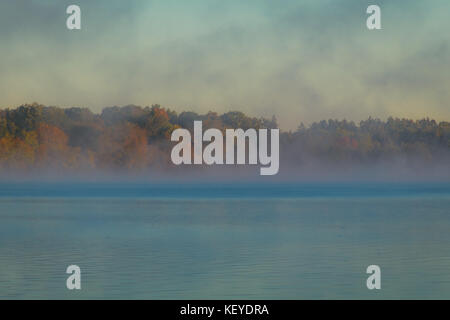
{"points": [[34, 137]]}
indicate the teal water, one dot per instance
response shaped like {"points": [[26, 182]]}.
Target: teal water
{"points": [[246, 241]]}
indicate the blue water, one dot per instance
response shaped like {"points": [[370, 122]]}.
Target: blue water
{"points": [[224, 241]]}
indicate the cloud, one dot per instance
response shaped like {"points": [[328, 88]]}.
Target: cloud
{"points": [[300, 60]]}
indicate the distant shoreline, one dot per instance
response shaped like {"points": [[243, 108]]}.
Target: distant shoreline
{"points": [[46, 141]]}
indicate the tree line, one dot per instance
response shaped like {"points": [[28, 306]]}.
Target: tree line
{"points": [[34, 137]]}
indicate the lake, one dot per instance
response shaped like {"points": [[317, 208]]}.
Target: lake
{"points": [[225, 241]]}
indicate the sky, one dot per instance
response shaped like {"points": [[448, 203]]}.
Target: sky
{"points": [[302, 60]]}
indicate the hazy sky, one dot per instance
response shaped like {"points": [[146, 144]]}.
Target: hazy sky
{"points": [[301, 60]]}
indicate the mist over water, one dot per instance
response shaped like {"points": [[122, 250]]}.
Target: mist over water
{"points": [[313, 172]]}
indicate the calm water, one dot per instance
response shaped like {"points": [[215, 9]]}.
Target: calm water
{"points": [[248, 241]]}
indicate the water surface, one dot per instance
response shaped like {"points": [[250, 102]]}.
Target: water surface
{"points": [[246, 241]]}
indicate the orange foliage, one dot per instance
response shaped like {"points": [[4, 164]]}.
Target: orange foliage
{"points": [[124, 146], [53, 149]]}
